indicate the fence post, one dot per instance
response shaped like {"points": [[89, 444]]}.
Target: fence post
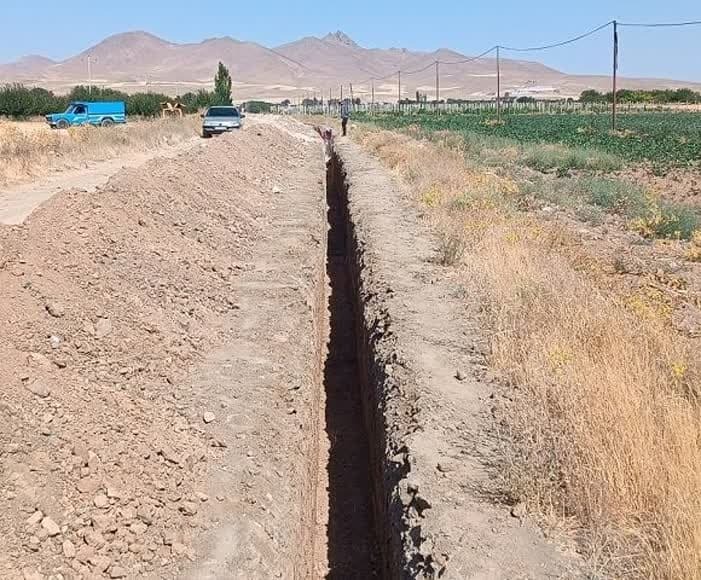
{"points": [[498, 88], [399, 90], [437, 85]]}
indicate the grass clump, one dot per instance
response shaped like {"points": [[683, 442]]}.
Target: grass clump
{"points": [[613, 195], [590, 197], [451, 247], [693, 252], [666, 219], [561, 159]]}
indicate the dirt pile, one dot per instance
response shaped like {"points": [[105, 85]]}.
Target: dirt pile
{"points": [[107, 299]]}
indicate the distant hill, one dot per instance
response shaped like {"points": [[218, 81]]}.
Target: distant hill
{"points": [[137, 61]]}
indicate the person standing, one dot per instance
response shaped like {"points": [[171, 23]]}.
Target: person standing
{"points": [[345, 115]]}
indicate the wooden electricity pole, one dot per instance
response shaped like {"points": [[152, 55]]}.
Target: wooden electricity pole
{"points": [[352, 100], [399, 89], [615, 73], [372, 101], [498, 88], [341, 93], [89, 74], [437, 85]]}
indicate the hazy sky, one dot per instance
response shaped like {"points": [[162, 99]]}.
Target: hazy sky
{"points": [[61, 29]]}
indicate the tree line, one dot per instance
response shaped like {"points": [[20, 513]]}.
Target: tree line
{"points": [[18, 101], [655, 96]]}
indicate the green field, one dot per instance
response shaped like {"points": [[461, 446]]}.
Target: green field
{"points": [[666, 139]]}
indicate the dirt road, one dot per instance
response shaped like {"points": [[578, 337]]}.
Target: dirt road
{"points": [[224, 365], [17, 202]]}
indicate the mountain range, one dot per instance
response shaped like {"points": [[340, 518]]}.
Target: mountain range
{"points": [[311, 66]]}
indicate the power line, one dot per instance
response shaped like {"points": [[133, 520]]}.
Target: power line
{"points": [[470, 59], [428, 66], [531, 48], [562, 43], [659, 24], [370, 79], [413, 72], [292, 60]]}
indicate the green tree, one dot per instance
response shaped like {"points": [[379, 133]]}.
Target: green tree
{"points": [[591, 96], [257, 107], [19, 101], [222, 86], [85, 93], [194, 102], [146, 104]]}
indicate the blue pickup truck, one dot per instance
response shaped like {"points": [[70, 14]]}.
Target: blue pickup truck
{"points": [[103, 114]]}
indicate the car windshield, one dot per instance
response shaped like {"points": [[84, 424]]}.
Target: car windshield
{"points": [[75, 109], [223, 112]]}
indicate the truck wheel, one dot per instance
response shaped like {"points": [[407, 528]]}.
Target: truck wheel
{"points": [[107, 122], [62, 124]]}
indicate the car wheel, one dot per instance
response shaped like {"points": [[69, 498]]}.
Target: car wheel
{"points": [[206, 135], [62, 124], [107, 122]]}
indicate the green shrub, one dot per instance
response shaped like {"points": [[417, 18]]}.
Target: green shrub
{"points": [[668, 220], [562, 159], [613, 195]]}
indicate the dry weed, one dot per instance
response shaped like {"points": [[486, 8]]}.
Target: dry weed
{"points": [[27, 153], [604, 423], [693, 252]]}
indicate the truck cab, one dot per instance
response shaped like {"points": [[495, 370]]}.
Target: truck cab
{"points": [[104, 114]]}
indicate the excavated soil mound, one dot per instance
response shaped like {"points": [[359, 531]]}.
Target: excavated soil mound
{"points": [[106, 300]]}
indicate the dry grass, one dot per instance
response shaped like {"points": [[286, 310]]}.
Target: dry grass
{"points": [[693, 253], [603, 419], [29, 150]]}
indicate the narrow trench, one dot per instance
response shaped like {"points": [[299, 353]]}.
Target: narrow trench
{"points": [[352, 546]]}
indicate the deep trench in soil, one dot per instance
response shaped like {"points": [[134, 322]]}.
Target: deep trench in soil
{"points": [[351, 532]]}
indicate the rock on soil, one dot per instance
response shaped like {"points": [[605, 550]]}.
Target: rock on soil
{"points": [[39, 388], [50, 526]]}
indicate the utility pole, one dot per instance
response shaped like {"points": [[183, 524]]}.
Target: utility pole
{"points": [[498, 88], [341, 93], [437, 85], [615, 73], [399, 89], [372, 102], [89, 75], [352, 100]]}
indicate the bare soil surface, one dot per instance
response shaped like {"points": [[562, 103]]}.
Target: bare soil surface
{"points": [[115, 306], [679, 184]]}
